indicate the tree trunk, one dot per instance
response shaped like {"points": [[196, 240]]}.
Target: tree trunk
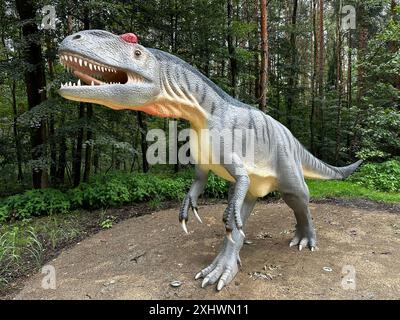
{"points": [[349, 72], [293, 74], [77, 159], [394, 45], [349, 89], [232, 53], [362, 34], [313, 79], [53, 151], [18, 149], [174, 47], [83, 109], [62, 158], [53, 146], [15, 131], [89, 137], [320, 80], [35, 82], [96, 159], [264, 56], [143, 142], [339, 86], [62, 155]]}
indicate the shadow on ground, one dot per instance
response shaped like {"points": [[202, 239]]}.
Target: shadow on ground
{"points": [[140, 257]]}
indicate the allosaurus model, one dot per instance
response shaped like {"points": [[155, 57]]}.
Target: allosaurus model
{"points": [[160, 84]]}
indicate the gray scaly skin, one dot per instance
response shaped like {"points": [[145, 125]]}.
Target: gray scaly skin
{"points": [[160, 84]]}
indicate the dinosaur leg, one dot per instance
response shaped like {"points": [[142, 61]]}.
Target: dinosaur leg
{"points": [[229, 211], [237, 194], [191, 198], [225, 266], [296, 195]]}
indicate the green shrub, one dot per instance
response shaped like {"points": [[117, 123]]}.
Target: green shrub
{"points": [[4, 212], [109, 193], [216, 187], [118, 188], [121, 188], [379, 176], [34, 203]]}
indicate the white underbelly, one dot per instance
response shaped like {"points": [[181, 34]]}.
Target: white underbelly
{"points": [[262, 179]]}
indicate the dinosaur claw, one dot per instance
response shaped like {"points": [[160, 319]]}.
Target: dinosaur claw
{"points": [[220, 285], [300, 247], [183, 223], [205, 282], [229, 236], [292, 244], [312, 248], [239, 261], [242, 233], [198, 276], [197, 215]]}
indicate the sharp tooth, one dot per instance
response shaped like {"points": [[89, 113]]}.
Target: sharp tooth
{"points": [[90, 66], [102, 69], [95, 67], [70, 58], [85, 63], [79, 82], [75, 59], [69, 84], [80, 62], [92, 84]]}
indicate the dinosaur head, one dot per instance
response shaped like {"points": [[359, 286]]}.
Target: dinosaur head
{"points": [[114, 71]]}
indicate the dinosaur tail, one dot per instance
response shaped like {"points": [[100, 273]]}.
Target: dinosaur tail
{"points": [[316, 169]]}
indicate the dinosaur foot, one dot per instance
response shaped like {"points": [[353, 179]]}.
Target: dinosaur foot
{"points": [[223, 269], [304, 237], [188, 203]]}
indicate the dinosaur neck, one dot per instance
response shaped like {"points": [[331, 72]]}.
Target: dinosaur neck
{"points": [[184, 96]]}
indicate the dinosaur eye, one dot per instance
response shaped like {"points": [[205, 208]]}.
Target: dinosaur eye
{"points": [[138, 53]]}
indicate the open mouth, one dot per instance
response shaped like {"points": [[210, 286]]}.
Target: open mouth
{"points": [[94, 73]]}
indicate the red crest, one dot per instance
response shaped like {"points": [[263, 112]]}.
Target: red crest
{"points": [[129, 37]]}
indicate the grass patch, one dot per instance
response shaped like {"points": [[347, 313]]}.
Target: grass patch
{"points": [[24, 245], [348, 189]]}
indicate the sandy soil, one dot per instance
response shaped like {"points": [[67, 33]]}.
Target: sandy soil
{"points": [[140, 257]]}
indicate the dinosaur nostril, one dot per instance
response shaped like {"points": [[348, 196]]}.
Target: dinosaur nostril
{"points": [[76, 37]]}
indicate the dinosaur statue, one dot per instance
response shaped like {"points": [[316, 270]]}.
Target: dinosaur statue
{"points": [[160, 84]]}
